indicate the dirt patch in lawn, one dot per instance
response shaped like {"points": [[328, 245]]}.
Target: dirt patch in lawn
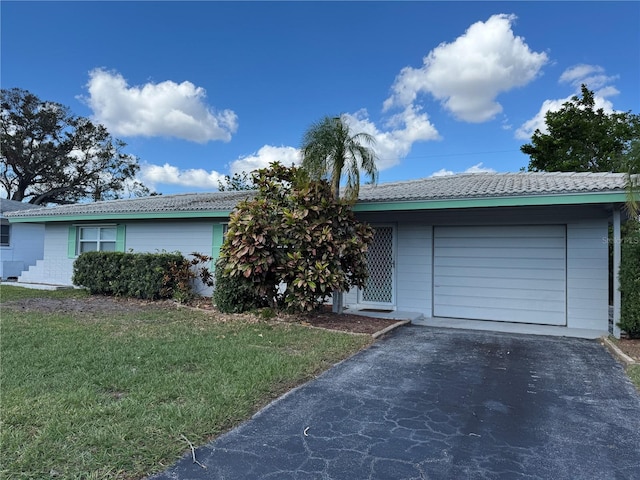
{"points": [[631, 347], [98, 304]]}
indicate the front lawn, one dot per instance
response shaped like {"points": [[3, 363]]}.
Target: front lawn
{"points": [[634, 374], [89, 394]]}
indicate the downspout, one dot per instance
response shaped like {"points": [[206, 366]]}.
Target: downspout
{"points": [[617, 241]]}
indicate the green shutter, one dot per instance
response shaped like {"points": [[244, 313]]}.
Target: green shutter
{"points": [[71, 242], [218, 238], [120, 238]]}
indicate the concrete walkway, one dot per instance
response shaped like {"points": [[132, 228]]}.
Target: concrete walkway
{"points": [[431, 403]]}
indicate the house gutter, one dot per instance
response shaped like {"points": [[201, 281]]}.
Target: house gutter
{"points": [[511, 201], [362, 206]]}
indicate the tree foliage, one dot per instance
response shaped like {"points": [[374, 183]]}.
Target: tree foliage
{"points": [[236, 182], [329, 147], [294, 241], [581, 138], [52, 156], [630, 281]]}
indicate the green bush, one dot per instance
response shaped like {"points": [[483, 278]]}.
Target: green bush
{"points": [[630, 283], [138, 275], [235, 294], [182, 275]]}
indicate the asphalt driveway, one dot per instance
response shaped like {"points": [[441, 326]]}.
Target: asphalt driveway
{"points": [[430, 403]]}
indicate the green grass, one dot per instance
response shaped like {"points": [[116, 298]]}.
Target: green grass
{"points": [[109, 396], [9, 292], [634, 374]]}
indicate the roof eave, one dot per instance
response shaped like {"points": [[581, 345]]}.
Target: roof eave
{"points": [[110, 216], [485, 202], [361, 206]]}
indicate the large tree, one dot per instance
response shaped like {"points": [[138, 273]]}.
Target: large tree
{"points": [[581, 138], [50, 156], [329, 147]]}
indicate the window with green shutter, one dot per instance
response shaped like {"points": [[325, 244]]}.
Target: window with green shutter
{"points": [[95, 238]]}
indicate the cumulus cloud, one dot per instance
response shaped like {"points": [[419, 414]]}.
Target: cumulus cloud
{"points": [[167, 174], [156, 109], [477, 168], [467, 75], [404, 129], [268, 154], [591, 75]]}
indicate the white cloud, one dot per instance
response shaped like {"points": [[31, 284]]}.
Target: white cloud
{"points": [[392, 145], [443, 172], [151, 175], [591, 75], [477, 168], [468, 74], [287, 156], [156, 109], [576, 76]]}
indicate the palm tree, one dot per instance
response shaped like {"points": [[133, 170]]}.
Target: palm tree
{"points": [[329, 147]]}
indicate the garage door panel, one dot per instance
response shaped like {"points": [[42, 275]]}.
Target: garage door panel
{"points": [[514, 231], [498, 283], [506, 293], [524, 316], [504, 252], [495, 242], [511, 309], [470, 262], [515, 274]]}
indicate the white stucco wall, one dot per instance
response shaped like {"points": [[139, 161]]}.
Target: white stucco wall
{"points": [[55, 267], [413, 268], [587, 253], [588, 275], [26, 246], [186, 237]]}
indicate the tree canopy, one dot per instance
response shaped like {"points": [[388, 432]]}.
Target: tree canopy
{"points": [[329, 147], [581, 138], [50, 156], [237, 182], [295, 233]]}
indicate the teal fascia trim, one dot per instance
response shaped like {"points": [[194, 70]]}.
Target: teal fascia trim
{"points": [[514, 201], [533, 200], [120, 216]]}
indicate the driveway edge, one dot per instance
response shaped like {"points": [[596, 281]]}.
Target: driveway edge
{"points": [[619, 354], [390, 327]]}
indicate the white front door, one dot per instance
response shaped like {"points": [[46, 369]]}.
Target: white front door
{"points": [[504, 273], [380, 287]]}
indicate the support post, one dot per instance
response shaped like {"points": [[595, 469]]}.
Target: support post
{"points": [[337, 302], [617, 241]]}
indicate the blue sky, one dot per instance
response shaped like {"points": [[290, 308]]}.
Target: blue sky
{"points": [[202, 89]]}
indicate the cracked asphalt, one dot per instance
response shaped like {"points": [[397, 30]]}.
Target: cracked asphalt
{"points": [[427, 403]]}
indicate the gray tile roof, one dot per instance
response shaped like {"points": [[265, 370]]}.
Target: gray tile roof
{"points": [[488, 185], [475, 185], [187, 202], [14, 206]]}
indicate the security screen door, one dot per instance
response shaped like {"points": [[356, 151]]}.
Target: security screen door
{"points": [[379, 289]]}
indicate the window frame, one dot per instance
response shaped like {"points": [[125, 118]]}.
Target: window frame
{"points": [[75, 242], [5, 225]]}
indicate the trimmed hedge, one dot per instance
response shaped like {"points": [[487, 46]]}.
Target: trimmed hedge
{"points": [[235, 294], [138, 275], [630, 282]]}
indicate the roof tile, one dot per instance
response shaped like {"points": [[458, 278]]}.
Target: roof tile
{"points": [[473, 185]]}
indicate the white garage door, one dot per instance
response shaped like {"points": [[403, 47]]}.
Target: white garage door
{"points": [[511, 274]]}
